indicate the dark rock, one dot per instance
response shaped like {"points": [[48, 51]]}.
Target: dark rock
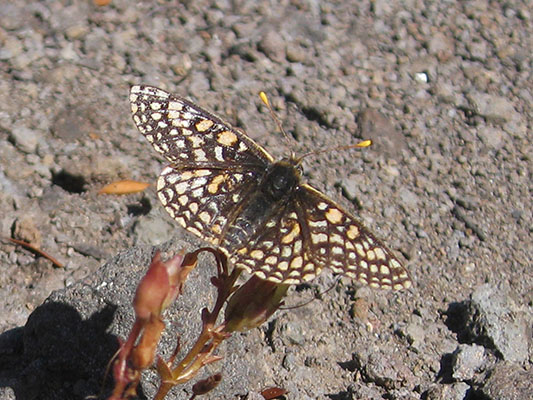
{"points": [[508, 382], [69, 340], [495, 321]]}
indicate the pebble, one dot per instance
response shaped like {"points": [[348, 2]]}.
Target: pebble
{"points": [[26, 230], [350, 187], [25, 139], [477, 50], [198, 82], [386, 370], [467, 360], [153, 230], [493, 108], [491, 136], [454, 391], [273, 45], [294, 332], [11, 48], [442, 46], [289, 362], [408, 198], [295, 54], [493, 318], [416, 334], [377, 127]]}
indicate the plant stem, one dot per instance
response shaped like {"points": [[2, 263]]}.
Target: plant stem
{"points": [[208, 341]]}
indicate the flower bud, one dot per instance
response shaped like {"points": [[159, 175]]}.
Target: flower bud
{"points": [[253, 303]]}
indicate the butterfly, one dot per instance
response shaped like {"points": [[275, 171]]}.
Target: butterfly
{"points": [[229, 191]]}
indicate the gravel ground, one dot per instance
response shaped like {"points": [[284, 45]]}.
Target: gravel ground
{"points": [[444, 91]]}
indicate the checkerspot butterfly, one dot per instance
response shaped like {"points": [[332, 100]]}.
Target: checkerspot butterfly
{"points": [[227, 190]]}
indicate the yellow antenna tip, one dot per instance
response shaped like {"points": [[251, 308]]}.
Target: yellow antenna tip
{"points": [[364, 143], [264, 98]]}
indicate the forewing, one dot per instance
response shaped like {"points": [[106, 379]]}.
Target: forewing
{"points": [[188, 135], [343, 244], [202, 200]]}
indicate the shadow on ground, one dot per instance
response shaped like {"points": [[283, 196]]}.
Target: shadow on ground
{"points": [[58, 355]]}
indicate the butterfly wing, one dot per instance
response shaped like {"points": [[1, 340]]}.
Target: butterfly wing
{"points": [[312, 232], [213, 164], [346, 246], [203, 200], [189, 136]]}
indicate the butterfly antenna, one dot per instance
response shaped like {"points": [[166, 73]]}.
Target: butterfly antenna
{"points": [[364, 143], [313, 299], [264, 99]]}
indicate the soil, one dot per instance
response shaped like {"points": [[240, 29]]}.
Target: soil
{"points": [[444, 91]]}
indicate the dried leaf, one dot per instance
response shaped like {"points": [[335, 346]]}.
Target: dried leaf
{"points": [[124, 187], [273, 393]]}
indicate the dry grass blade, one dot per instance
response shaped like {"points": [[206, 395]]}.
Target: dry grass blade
{"points": [[36, 251]]}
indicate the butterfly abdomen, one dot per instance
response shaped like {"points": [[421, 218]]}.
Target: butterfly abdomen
{"points": [[262, 204]]}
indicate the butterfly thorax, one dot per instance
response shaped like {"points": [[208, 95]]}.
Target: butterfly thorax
{"points": [[268, 199], [280, 179]]}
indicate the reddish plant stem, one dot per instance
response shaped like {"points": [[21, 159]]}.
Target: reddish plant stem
{"points": [[208, 341]]}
